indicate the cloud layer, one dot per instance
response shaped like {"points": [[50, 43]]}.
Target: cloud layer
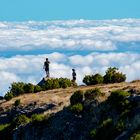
{"points": [[105, 35], [30, 68], [86, 45]]}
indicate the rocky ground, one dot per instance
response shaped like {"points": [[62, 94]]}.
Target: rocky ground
{"points": [[54, 101]]}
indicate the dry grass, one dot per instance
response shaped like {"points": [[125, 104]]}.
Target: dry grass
{"points": [[61, 97]]}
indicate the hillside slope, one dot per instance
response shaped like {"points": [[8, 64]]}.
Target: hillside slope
{"points": [[56, 102]]}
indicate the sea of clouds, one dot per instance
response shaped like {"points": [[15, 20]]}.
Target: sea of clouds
{"points": [[88, 46]]}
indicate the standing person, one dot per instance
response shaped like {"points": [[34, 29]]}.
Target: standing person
{"points": [[73, 75], [46, 67]]}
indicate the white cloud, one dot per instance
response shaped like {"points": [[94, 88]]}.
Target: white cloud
{"points": [[68, 35], [29, 68]]}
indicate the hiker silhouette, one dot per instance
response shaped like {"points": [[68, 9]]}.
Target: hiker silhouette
{"points": [[73, 75], [46, 67]]}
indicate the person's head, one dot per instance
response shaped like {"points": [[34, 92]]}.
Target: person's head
{"points": [[73, 69], [46, 59]]}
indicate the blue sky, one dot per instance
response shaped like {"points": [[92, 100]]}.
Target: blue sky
{"points": [[22, 10]]}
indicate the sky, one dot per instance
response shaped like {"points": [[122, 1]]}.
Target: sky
{"points": [[88, 35], [23, 10]]}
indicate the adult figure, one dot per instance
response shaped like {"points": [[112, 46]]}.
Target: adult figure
{"points": [[73, 75], [46, 67]]}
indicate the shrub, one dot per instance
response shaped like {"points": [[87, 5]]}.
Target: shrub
{"points": [[120, 126], [64, 82], [93, 133], [8, 96], [4, 126], [17, 88], [135, 136], [93, 79], [113, 76], [105, 130], [17, 102], [55, 84], [92, 94], [77, 108], [48, 84], [28, 88], [77, 97], [37, 89], [20, 120], [37, 117], [118, 100]]}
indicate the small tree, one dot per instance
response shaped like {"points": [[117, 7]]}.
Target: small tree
{"points": [[114, 76]]}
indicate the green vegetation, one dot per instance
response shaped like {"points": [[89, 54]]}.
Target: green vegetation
{"points": [[17, 103], [20, 120], [28, 88], [20, 88], [8, 96], [93, 79], [37, 89], [57, 83], [4, 126], [37, 118], [93, 133], [77, 108], [93, 93], [77, 97], [118, 100], [112, 76], [135, 136], [64, 82]]}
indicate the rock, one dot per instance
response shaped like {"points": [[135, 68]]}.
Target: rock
{"points": [[42, 82], [1, 98]]}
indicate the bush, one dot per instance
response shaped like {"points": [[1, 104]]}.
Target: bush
{"points": [[17, 88], [77, 108], [17, 102], [4, 126], [135, 136], [64, 82], [93, 133], [20, 120], [8, 96], [37, 117], [113, 76], [28, 88], [120, 126], [92, 94], [37, 89], [118, 100], [57, 83], [93, 79], [77, 97], [105, 130]]}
